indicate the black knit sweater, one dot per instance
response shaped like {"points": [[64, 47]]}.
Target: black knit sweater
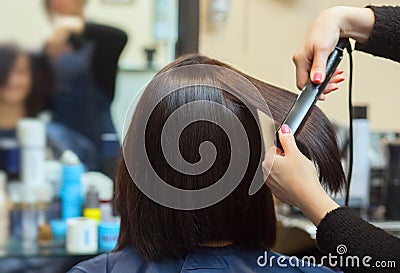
{"points": [[385, 37], [342, 226]]}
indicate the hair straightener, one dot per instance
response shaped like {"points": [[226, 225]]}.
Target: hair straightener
{"points": [[311, 92]]}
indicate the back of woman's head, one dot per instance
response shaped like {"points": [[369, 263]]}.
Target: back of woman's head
{"points": [[160, 231]]}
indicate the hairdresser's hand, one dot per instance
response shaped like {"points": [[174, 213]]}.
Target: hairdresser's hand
{"points": [[333, 84], [64, 26], [294, 180], [322, 37]]}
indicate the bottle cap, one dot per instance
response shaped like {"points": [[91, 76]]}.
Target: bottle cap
{"points": [[103, 184], [360, 112], [70, 158], [92, 198], [92, 213]]}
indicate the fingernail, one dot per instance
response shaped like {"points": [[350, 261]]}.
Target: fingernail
{"points": [[317, 78], [285, 129]]}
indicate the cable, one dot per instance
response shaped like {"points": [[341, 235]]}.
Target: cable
{"points": [[350, 170]]}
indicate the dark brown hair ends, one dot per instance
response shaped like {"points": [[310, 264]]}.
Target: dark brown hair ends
{"points": [[157, 231]]}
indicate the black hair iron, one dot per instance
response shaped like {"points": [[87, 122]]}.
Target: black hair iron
{"points": [[311, 92]]}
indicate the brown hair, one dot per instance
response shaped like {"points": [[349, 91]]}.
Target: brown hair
{"points": [[35, 102], [47, 5], [157, 231]]}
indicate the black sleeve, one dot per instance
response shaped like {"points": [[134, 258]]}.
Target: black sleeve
{"points": [[343, 227], [109, 43], [385, 37]]}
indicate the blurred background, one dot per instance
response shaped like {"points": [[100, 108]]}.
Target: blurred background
{"points": [[70, 68]]}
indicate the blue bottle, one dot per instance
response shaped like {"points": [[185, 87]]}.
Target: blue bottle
{"points": [[71, 189]]}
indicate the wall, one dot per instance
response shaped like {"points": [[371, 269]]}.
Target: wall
{"points": [[260, 36], [25, 22]]}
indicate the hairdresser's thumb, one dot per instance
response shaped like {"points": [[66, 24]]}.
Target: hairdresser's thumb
{"points": [[318, 68], [287, 139]]}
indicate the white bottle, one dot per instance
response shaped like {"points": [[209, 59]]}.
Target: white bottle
{"points": [[4, 211], [360, 180], [31, 134]]}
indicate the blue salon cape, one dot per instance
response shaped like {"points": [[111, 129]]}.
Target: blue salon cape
{"points": [[232, 258]]}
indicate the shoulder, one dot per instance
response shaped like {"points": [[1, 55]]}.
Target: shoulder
{"points": [[94, 29], [126, 260], [306, 264], [111, 262], [247, 259], [270, 261]]}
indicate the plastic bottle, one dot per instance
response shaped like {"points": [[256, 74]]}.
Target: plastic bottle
{"points": [[71, 189], [31, 134], [105, 188], [360, 184], [92, 205], [4, 211]]}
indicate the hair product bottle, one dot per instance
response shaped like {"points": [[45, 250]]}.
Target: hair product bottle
{"points": [[360, 184], [71, 189], [92, 204], [31, 134]]}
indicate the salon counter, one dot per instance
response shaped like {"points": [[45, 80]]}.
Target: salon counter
{"points": [[301, 232], [21, 257], [20, 249]]}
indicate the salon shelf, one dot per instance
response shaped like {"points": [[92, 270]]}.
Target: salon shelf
{"points": [[392, 227], [308, 227], [20, 249], [299, 222]]}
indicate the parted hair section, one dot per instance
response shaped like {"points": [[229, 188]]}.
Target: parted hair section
{"points": [[157, 231]]}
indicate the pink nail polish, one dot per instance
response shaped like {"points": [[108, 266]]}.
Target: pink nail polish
{"points": [[285, 129], [317, 78]]}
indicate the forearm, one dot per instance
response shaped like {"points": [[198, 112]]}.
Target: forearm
{"points": [[317, 205], [384, 40], [361, 239]]}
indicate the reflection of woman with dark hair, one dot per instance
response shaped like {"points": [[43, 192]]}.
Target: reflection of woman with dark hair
{"points": [[230, 235], [84, 57], [21, 95]]}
